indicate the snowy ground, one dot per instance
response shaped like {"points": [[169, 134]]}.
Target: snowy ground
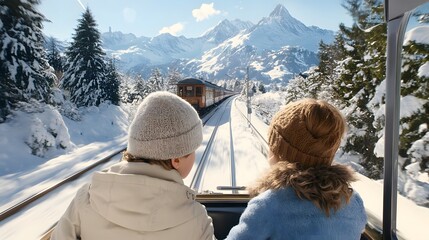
{"points": [[31, 173]]}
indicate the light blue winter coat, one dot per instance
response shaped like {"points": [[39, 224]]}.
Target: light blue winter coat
{"points": [[280, 214]]}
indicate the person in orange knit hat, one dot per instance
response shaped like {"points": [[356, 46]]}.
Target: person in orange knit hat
{"points": [[304, 195]]}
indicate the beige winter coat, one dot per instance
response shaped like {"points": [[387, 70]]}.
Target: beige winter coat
{"points": [[135, 201]]}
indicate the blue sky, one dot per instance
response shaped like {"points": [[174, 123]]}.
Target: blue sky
{"points": [[189, 18]]}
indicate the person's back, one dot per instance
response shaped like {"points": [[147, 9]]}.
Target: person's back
{"points": [[281, 214], [135, 200], [143, 196], [304, 195]]}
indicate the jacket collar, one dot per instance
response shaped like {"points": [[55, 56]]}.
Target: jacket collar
{"points": [[141, 168]]}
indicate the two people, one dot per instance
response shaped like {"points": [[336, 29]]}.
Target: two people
{"points": [[303, 196]]}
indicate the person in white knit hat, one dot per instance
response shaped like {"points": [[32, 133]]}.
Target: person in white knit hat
{"points": [[143, 196]]}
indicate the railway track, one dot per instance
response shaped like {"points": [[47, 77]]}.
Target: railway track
{"points": [[21, 205], [203, 163], [218, 162]]}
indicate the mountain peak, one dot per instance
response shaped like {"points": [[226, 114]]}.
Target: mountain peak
{"points": [[226, 29], [224, 22], [280, 11]]}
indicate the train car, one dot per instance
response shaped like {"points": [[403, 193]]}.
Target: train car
{"points": [[201, 94]]}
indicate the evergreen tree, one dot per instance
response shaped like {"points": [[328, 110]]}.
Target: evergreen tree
{"points": [[415, 84], [155, 82], [261, 88], [23, 67], [173, 78], [362, 71], [85, 71], [325, 77], [299, 88], [112, 83], [140, 90], [53, 49], [125, 89]]}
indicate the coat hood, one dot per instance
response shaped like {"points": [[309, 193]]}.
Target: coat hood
{"points": [[142, 197]]}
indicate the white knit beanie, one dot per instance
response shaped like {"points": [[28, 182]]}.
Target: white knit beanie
{"points": [[165, 126]]}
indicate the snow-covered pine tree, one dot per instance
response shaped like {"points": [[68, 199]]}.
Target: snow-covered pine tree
{"points": [[261, 88], [85, 71], [173, 77], [55, 59], [139, 91], [23, 67], [320, 81], [125, 89], [362, 71], [415, 83], [112, 83], [298, 88], [155, 81], [325, 76]]}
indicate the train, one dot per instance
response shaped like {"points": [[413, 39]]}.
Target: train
{"points": [[200, 93]]}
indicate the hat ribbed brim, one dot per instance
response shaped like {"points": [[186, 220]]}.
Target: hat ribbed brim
{"points": [[173, 147]]}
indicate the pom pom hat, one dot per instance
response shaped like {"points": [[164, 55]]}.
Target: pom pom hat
{"points": [[307, 132], [165, 126]]}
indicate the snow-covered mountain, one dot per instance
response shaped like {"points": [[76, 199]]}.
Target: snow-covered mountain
{"points": [[132, 51], [275, 49], [120, 41], [226, 29], [280, 29], [266, 66]]}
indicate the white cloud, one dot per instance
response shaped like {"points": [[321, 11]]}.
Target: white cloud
{"points": [[129, 15], [205, 11], [173, 29]]}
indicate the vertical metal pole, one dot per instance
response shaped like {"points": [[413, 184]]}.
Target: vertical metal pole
{"points": [[248, 100], [395, 37]]}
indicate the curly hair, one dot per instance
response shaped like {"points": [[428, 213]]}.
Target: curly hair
{"points": [[328, 187]]}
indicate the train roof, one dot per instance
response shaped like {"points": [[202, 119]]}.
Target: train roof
{"points": [[195, 81], [198, 81], [191, 81]]}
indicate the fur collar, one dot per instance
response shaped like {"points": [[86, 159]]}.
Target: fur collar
{"points": [[328, 187]]}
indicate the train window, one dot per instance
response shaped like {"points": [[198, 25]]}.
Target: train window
{"points": [[398, 105], [209, 93], [189, 91], [199, 91], [413, 160]]}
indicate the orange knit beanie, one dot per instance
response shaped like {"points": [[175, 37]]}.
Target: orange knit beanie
{"points": [[307, 132]]}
